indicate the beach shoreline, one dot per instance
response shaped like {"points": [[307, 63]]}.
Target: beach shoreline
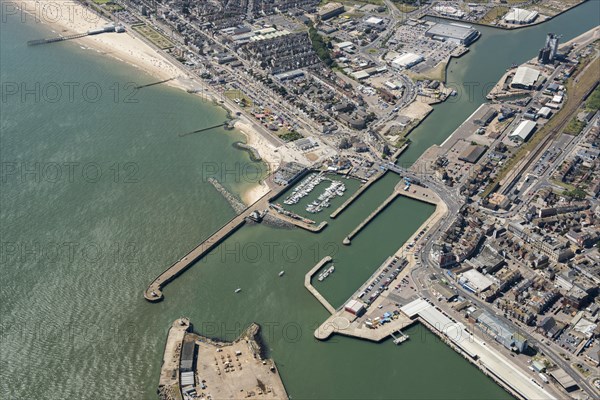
{"points": [[71, 17]]}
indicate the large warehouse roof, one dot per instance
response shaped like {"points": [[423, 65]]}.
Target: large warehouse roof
{"points": [[524, 130], [472, 153], [454, 31], [407, 60], [415, 307], [374, 21], [525, 76], [520, 16]]}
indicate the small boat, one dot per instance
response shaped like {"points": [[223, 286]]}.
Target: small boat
{"points": [[281, 273], [238, 290]]}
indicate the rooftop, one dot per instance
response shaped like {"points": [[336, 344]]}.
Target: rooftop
{"points": [[525, 76], [523, 131], [454, 31], [472, 153]]}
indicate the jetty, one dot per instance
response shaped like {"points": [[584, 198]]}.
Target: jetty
{"points": [[221, 125], [400, 339], [38, 42], [154, 291], [300, 223], [169, 371], [106, 29], [235, 203], [154, 83], [357, 194], [371, 217], [311, 288]]}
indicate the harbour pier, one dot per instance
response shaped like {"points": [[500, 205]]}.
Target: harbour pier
{"points": [[400, 339], [38, 42], [344, 323], [154, 83], [347, 240], [106, 29], [154, 291], [314, 228], [312, 289], [221, 125], [169, 371], [357, 194]]}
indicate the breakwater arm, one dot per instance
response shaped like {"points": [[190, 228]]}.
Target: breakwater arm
{"points": [[312, 289], [233, 201], [357, 194]]}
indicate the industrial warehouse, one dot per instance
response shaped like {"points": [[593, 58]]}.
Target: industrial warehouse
{"points": [[520, 17], [525, 78], [523, 131], [406, 60], [461, 34]]}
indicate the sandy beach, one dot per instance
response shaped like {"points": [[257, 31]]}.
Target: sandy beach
{"points": [[69, 17], [267, 152]]}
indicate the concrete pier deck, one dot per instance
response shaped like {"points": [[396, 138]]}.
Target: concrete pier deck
{"points": [[154, 291], [344, 323], [169, 371], [357, 194], [370, 218], [312, 289], [315, 228]]}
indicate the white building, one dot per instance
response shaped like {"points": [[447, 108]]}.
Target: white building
{"points": [[520, 16], [343, 45], [449, 11], [374, 21], [475, 279], [354, 307], [525, 78], [406, 60], [545, 112], [523, 131]]}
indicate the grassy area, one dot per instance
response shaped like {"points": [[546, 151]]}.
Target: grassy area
{"points": [[289, 136], [102, 1], [576, 91], [564, 185], [574, 127], [494, 14], [551, 9], [238, 94], [320, 46], [593, 102], [154, 36], [577, 193], [405, 6], [113, 7], [401, 142], [437, 73]]}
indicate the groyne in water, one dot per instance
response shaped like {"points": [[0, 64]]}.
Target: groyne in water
{"points": [[223, 124]]}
